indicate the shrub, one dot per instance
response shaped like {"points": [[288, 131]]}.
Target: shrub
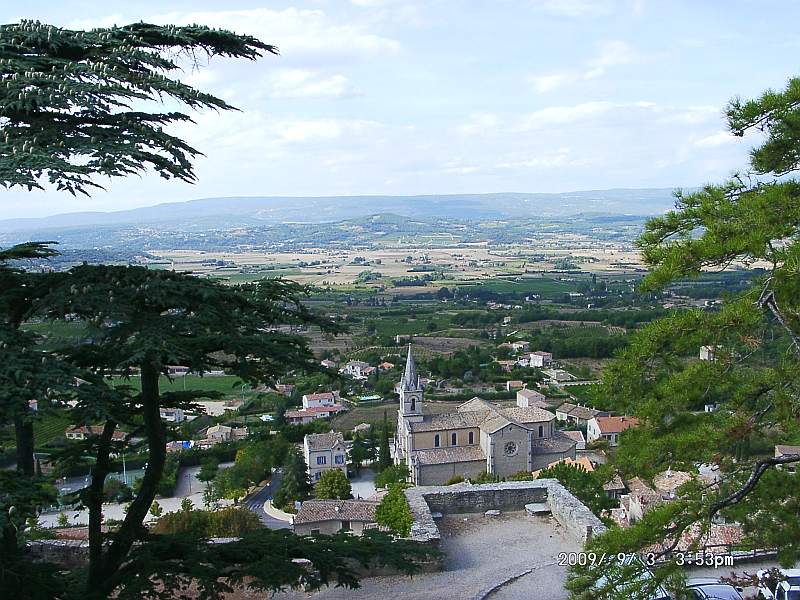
{"points": [[228, 522], [455, 479], [394, 511], [392, 475], [333, 485], [486, 477], [521, 476]]}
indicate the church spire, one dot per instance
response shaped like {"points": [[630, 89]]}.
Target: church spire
{"points": [[410, 379]]}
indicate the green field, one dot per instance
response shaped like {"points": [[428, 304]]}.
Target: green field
{"points": [[229, 385]]}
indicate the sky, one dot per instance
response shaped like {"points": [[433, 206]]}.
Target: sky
{"points": [[452, 96]]}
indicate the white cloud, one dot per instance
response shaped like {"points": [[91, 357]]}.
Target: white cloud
{"points": [[721, 138], [558, 115], [573, 8], [609, 53], [552, 81], [479, 124], [304, 83]]}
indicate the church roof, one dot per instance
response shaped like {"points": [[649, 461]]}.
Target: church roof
{"points": [[453, 454], [456, 420], [410, 379], [479, 413], [559, 443]]}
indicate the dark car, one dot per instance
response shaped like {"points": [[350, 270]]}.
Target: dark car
{"points": [[712, 589]]}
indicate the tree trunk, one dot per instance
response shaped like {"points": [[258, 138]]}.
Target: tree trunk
{"points": [[94, 501], [24, 438], [131, 527]]}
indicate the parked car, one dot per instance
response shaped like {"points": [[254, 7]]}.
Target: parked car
{"points": [[784, 587], [706, 588], [645, 575]]}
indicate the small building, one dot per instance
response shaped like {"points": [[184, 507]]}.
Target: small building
{"points": [[358, 369], [783, 450], [362, 428], [608, 428], [82, 432], [217, 434], [540, 359], [531, 398], [172, 415], [331, 516], [507, 365], [558, 376], [328, 364], [578, 414], [386, 366], [579, 438], [174, 370], [306, 415], [285, 389], [520, 346], [514, 384], [708, 353], [320, 399], [614, 488], [323, 452]]}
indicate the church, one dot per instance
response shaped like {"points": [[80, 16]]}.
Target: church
{"points": [[479, 437]]}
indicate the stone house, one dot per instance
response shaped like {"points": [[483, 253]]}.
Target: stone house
{"points": [[783, 450], [320, 399], [331, 516], [323, 452], [531, 398], [82, 432], [479, 437], [540, 359], [172, 415], [306, 415], [578, 414], [216, 434], [358, 369], [608, 428]]}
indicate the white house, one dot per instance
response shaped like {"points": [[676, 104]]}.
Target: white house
{"points": [[320, 399], [608, 428], [358, 369], [540, 359], [172, 415], [324, 451], [531, 398], [520, 346], [708, 353]]}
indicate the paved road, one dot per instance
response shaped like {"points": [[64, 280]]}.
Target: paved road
{"points": [[256, 501]]}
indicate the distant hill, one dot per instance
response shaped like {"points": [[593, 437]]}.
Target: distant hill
{"points": [[214, 214]]}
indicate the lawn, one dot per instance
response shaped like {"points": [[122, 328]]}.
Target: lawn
{"points": [[229, 385]]}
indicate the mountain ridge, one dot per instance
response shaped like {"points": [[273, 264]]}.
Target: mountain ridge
{"points": [[243, 211]]}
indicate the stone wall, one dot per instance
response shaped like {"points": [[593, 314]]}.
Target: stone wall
{"points": [[510, 495]]}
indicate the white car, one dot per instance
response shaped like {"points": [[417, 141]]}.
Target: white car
{"points": [[785, 587]]}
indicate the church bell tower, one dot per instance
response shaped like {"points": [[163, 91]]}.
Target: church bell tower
{"points": [[410, 389]]}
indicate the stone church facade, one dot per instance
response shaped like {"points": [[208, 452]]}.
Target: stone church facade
{"points": [[479, 437]]}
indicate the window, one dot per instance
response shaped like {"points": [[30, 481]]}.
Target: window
{"points": [[315, 532], [453, 439], [321, 460], [413, 403], [510, 448], [471, 437], [339, 459], [345, 525], [317, 476], [541, 431], [436, 441]]}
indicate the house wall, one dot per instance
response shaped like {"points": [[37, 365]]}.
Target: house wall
{"points": [[330, 463], [505, 465], [328, 527], [441, 474], [425, 439]]}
